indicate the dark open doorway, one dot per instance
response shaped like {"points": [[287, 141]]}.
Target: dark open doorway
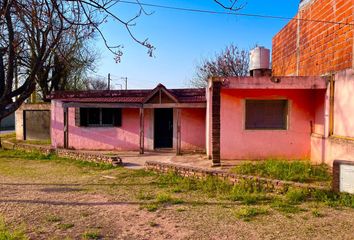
{"points": [[163, 128]]}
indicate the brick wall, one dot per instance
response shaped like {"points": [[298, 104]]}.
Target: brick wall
{"points": [[305, 48]]}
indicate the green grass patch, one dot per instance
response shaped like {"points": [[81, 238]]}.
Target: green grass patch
{"points": [[300, 171], [210, 185], [317, 213], [92, 235], [181, 209], [285, 207], [333, 199], [33, 142], [296, 195], [250, 192], [53, 218], [8, 135], [9, 234], [249, 213], [66, 226], [150, 207], [35, 155], [164, 198], [142, 195]]}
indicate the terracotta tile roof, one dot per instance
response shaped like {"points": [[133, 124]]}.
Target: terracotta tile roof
{"points": [[187, 95], [190, 94]]}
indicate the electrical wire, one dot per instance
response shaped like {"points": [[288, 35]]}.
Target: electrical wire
{"points": [[231, 13]]}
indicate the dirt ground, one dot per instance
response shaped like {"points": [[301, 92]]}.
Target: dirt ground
{"points": [[54, 200]]}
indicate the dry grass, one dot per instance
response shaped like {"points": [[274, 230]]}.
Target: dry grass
{"points": [[58, 198]]}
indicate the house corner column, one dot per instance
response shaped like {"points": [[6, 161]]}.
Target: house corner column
{"points": [[66, 127], [215, 121], [141, 143], [178, 113]]}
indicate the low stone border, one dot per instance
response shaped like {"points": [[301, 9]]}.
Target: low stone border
{"points": [[90, 157], [66, 153], [188, 171]]}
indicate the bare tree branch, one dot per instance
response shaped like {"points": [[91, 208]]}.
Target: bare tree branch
{"points": [[230, 62]]}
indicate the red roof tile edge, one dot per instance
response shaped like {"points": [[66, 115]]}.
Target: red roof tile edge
{"points": [[184, 95]]}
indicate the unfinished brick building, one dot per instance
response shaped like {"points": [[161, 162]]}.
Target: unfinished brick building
{"points": [[319, 42]]}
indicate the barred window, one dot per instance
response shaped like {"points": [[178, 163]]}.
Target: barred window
{"points": [[100, 117], [266, 114]]}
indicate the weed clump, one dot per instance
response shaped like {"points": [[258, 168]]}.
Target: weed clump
{"points": [[249, 192], [7, 234], [248, 213]]}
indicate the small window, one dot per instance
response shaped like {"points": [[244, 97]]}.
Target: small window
{"points": [[100, 117], [266, 114]]}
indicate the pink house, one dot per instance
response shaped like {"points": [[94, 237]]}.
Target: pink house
{"points": [[263, 117], [234, 118], [302, 109], [131, 120]]}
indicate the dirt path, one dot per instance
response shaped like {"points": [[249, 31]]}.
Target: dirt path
{"points": [[48, 210]]}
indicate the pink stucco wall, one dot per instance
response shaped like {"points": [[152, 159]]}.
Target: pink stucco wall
{"points": [[100, 138], [293, 143], [320, 130], [340, 146], [344, 104], [193, 125], [125, 137]]}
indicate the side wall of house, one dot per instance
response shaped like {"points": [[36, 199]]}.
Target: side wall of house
{"points": [[125, 137], [293, 143], [309, 48], [340, 145], [39, 124]]}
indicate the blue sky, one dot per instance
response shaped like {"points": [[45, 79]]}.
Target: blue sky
{"points": [[182, 39]]}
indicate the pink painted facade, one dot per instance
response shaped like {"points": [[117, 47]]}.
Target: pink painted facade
{"points": [[305, 115], [193, 129], [293, 143], [127, 137]]}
